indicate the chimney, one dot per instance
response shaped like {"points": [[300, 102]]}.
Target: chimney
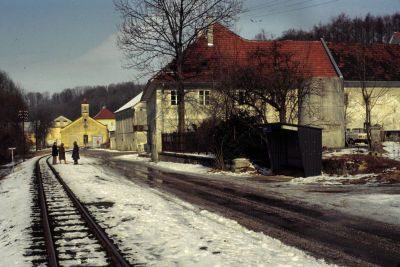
{"points": [[210, 32]]}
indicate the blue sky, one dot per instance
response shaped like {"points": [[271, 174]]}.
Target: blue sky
{"points": [[49, 45]]}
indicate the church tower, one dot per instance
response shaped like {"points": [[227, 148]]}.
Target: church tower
{"points": [[85, 109]]}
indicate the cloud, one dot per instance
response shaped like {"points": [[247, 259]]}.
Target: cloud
{"points": [[98, 66]]}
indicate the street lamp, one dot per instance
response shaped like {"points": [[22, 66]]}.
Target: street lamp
{"points": [[23, 116]]}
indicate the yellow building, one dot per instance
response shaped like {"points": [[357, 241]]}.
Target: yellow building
{"points": [[85, 130], [54, 134]]}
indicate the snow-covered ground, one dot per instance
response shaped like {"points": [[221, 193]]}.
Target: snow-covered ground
{"points": [[366, 200], [15, 207], [164, 230]]}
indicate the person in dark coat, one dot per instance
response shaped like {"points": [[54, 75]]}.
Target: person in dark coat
{"points": [[54, 152], [75, 153], [61, 153]]}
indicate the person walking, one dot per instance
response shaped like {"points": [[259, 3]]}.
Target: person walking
{"points": [[61, 153], [54, 152], [75, 153]]}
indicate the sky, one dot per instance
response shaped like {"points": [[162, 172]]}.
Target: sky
{"points": [[50, 45]]}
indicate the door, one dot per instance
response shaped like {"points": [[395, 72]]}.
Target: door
{"points": [[97, 141]]}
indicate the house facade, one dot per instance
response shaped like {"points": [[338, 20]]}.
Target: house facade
{"points": [[86, 131], [54, 134], [204, 71], [374, 68], [131, 126]]}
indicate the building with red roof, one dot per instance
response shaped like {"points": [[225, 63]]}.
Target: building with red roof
{"points": [[395, 38], [205, 65], [106, 117], [376, 67]]}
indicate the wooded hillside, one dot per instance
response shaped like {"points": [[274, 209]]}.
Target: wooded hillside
{"points": [[370, 29]]}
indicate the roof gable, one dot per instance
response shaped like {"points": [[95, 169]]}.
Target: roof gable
{"points": [[104, 114], [81, 119], [62, 118]]}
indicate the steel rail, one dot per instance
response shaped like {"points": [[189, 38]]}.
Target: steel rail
{"points": [[108, 245], [50, 247]]}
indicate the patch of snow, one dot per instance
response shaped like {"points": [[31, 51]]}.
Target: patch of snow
{"points": [[110, 150], [325, 179], [130, 103], [182, 167], [345, 151], [393, 150], [200, 155]]}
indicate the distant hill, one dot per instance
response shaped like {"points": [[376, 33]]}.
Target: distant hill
{"points": [[67, 102]]}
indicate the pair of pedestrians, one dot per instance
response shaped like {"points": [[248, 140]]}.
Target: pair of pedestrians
{"points": [[60, 152]]}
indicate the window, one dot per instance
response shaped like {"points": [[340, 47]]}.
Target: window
{"points": [[174, 97], [204, 97]]}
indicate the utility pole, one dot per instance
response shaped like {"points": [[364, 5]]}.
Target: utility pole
{"points": [[23, 116]]}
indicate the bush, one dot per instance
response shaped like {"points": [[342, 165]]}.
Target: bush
{"points": [[237, 137]]}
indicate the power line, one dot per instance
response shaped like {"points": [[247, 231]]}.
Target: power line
{"points": [[265, 5], [293, 9]]}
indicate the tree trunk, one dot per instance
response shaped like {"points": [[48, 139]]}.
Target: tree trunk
{"points": [[282, 115], [181, 96], [368, 122]]}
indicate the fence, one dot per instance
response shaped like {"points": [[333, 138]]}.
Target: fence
{"points": [[189, 142]]}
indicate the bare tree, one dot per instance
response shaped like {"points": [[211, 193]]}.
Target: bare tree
{"points": [[160, 31], [371, 94], [271, 77]]}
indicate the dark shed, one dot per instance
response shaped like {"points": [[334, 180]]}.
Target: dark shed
{"points": [[294, 147]]}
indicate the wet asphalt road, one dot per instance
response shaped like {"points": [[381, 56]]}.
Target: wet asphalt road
{"points": [[338, 238]]}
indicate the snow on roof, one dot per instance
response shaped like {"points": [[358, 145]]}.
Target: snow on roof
{"points": [[131, 103]]}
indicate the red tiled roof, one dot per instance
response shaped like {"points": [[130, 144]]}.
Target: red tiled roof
{"points": [[381, 61], [231, 47], [397, 34], [104, 114]]}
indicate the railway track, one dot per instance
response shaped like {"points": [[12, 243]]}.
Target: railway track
{"points": [[71, 236]]}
